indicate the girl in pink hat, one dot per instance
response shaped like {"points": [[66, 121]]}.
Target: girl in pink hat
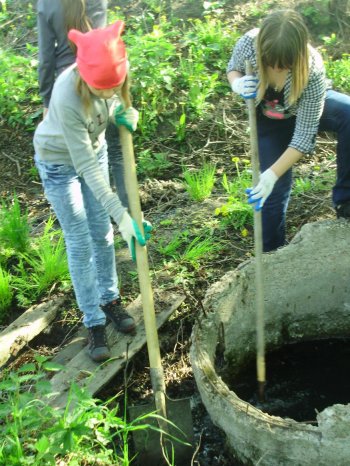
{"points": [[56, 53], [71, 156]]}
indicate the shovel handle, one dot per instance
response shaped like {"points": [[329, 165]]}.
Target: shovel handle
{"points": [[157, 375], [260, 334]]}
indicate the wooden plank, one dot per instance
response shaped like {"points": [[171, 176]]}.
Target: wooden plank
{"points": [[26, 327], [92, 376]]}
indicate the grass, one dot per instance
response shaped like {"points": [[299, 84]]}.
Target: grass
{"points": [[44, 268], [6, 293], [14, 227], [85, 431], [199, 184]]}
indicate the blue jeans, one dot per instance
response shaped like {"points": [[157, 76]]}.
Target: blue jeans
{"points": [[274, 137], [88, 237], [116, 163]]}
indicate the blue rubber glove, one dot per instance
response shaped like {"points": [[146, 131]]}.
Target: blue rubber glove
{"points": [[246, 86], [262, 190], [130, 233], [127, 118]]}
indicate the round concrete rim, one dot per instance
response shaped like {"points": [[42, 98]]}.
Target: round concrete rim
{"points": [[225, 407]]}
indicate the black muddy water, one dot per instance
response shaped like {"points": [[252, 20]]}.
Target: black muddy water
{"points": [[302, 379]]}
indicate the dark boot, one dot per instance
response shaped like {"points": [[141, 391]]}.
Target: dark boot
{"points": [[116, 313], [343, 210], [98, 345]]}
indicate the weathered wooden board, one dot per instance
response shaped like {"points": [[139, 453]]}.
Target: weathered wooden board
{"points": [[26, 327], [79, 368]]}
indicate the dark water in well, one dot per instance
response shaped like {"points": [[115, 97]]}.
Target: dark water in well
{"points": [[302, 379]]}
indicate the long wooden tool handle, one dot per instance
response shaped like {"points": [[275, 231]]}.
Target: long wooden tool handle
{"points": [[156, 369], [260, 335]]}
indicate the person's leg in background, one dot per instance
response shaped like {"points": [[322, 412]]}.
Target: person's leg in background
{"points": [[115, 160], [273, 139], [336, 118]]}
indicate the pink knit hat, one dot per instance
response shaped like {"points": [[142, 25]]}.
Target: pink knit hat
{"points": [[101, 55]]}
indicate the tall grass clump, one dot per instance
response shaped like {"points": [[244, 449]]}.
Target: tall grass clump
{"points": [[200, 183], [6, 293], [43, 269], [14, 227]]}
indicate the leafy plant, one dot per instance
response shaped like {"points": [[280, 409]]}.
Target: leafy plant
{"points": [[318, 181], [338, 71], [6, 293], [236, 213], [152, 164], [14, 227], [152, 55], [199, 184], [317, 12], [301, 186], [85, 431], [241, 182], [18, 88]]}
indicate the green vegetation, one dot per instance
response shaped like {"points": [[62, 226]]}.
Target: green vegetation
{"points": [[338, 71], [40, 263], [18, 88], [86, 431], [14, 228], [199, 184], [187, 115], [236, 212], [43, 268], [6, 293], [151, 164]]}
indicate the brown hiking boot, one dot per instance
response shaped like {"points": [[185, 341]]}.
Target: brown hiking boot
{"points": [[98, 345], [116, 313]]}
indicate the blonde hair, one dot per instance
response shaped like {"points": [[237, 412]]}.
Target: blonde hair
{"points": [[75, 18], [84, 92], [282, 41]]}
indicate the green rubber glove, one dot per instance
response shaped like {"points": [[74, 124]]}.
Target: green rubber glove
{"points": [[127, 118], [130, 232]]}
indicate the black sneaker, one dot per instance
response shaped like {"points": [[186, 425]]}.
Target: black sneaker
{"points": [[343, 210], [120, 318], [98, 345]]}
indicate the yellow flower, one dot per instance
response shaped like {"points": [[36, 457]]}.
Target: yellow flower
{"points": [[244, 233]]}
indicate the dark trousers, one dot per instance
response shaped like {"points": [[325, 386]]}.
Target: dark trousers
{"points": [[274, 137]]}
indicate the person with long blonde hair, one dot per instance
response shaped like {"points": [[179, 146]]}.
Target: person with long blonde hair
{"points": [[294, 102], [54, 19], [71, 157]]}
